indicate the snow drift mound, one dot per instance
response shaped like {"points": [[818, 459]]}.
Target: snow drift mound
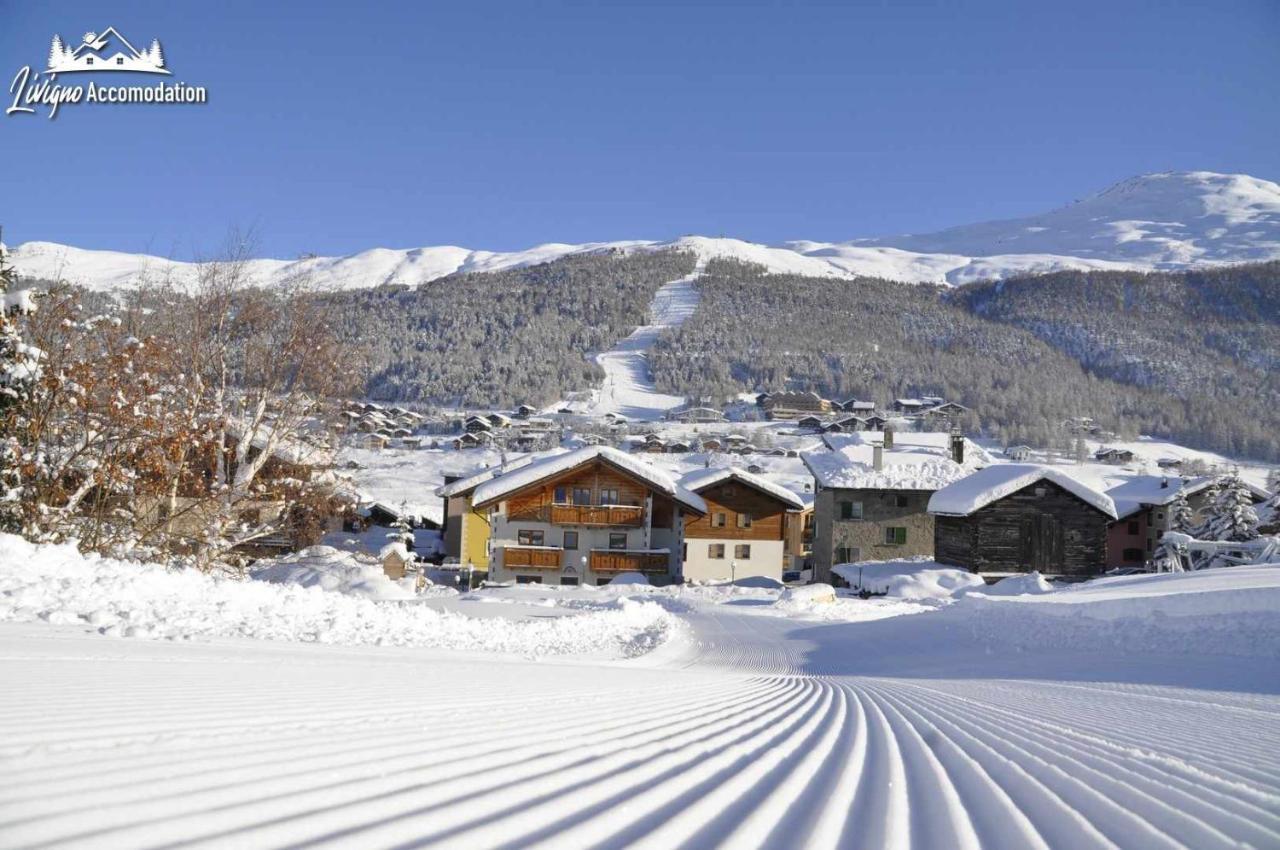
{"points": [[330, 569], [920, 579], [1228, 611], [58, 585]]}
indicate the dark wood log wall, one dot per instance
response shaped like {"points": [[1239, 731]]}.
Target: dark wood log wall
{"points": [[1040, 527]]}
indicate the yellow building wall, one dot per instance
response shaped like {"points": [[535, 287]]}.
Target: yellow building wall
{"points": [[475, 539]]}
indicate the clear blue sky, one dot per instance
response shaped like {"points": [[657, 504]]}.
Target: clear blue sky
{"points": [[334, 127]]}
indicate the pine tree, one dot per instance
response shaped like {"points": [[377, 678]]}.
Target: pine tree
{"points": [[56, 52], [16, 378], [1181, 517], [155, 55], [1234, 518]]}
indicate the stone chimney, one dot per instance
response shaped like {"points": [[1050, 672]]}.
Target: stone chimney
{"points": [[957, 448], [877, 457], [888, 436]]}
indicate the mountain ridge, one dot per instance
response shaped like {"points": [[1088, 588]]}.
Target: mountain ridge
{"points": [[1161, 221]]}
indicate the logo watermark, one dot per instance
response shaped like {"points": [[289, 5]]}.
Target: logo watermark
{"points": [[108, 51]]}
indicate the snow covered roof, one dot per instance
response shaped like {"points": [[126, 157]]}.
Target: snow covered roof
{"points": [[993, 483], [1139, 491], [703, 478], [545, 467], [462, 485], [917, 461]]}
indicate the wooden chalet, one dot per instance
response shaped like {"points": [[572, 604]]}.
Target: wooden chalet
{"points": [[743, 532], [1013, 518], [793, 405], [583, 517]]}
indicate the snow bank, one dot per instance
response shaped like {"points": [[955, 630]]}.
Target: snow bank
{"points": [[920, 579], [1021, 585], [330, 569], [58, 585], [806, 596], [630, 579], [1228, 611]]}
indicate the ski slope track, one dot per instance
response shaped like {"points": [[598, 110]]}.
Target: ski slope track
{"points": [[628, 388], [754, 730]]}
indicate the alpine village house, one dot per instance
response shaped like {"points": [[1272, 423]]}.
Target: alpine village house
{"points": [[873, 490], [745, 530], [584, 516]]}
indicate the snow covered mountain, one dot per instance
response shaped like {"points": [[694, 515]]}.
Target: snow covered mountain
{"points": [[1157, 221]]}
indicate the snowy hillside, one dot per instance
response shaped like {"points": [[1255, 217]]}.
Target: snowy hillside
{"points": [[1157, 221], [1164, 221]]}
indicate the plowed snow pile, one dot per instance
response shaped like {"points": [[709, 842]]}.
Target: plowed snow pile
{"points": [[58, 585]]}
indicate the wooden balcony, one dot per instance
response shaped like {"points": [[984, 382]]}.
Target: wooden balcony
{"points": [[531, 557], [618, 561], [621, 515]]}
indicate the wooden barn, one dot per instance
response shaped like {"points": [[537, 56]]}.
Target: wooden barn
{"points": [[1012, 518]]}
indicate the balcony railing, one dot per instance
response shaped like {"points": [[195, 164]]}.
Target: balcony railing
{"points": [[624, 515], [617, 561], [531, 556]]}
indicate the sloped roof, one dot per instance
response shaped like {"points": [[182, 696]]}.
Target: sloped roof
{"points": [[993, 483], [1138, 491], [545, 467], [475, 479], [917, 461], [701, 479]]}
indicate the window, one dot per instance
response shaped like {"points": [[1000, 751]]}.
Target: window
{"points": [[684, 551], [848, 554], [568, 579], [851, 510], [529, 537], [895, 535], [1133, 526], [570, 540], [581, 495], [561, 496], [744, 520], [617, 540], [88, 60], [742, 551], [528, 579], [1133, 554], [609, 496], [898, 500], [119, 60], [718, 520], [715, 551], [1159, 516]]}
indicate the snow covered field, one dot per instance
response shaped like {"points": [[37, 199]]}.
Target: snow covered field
{"points": [[753, 722]]}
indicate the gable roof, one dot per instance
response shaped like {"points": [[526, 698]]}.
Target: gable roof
{"points": [[527, 475], [919, 460], [701, 479], [475, 479], [976, 491]]}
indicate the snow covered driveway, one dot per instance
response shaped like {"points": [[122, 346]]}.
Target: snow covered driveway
{"points": [[753, 729], [628, 385]]}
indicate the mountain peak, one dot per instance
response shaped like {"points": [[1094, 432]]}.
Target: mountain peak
{"points": [[1165, 220]]}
